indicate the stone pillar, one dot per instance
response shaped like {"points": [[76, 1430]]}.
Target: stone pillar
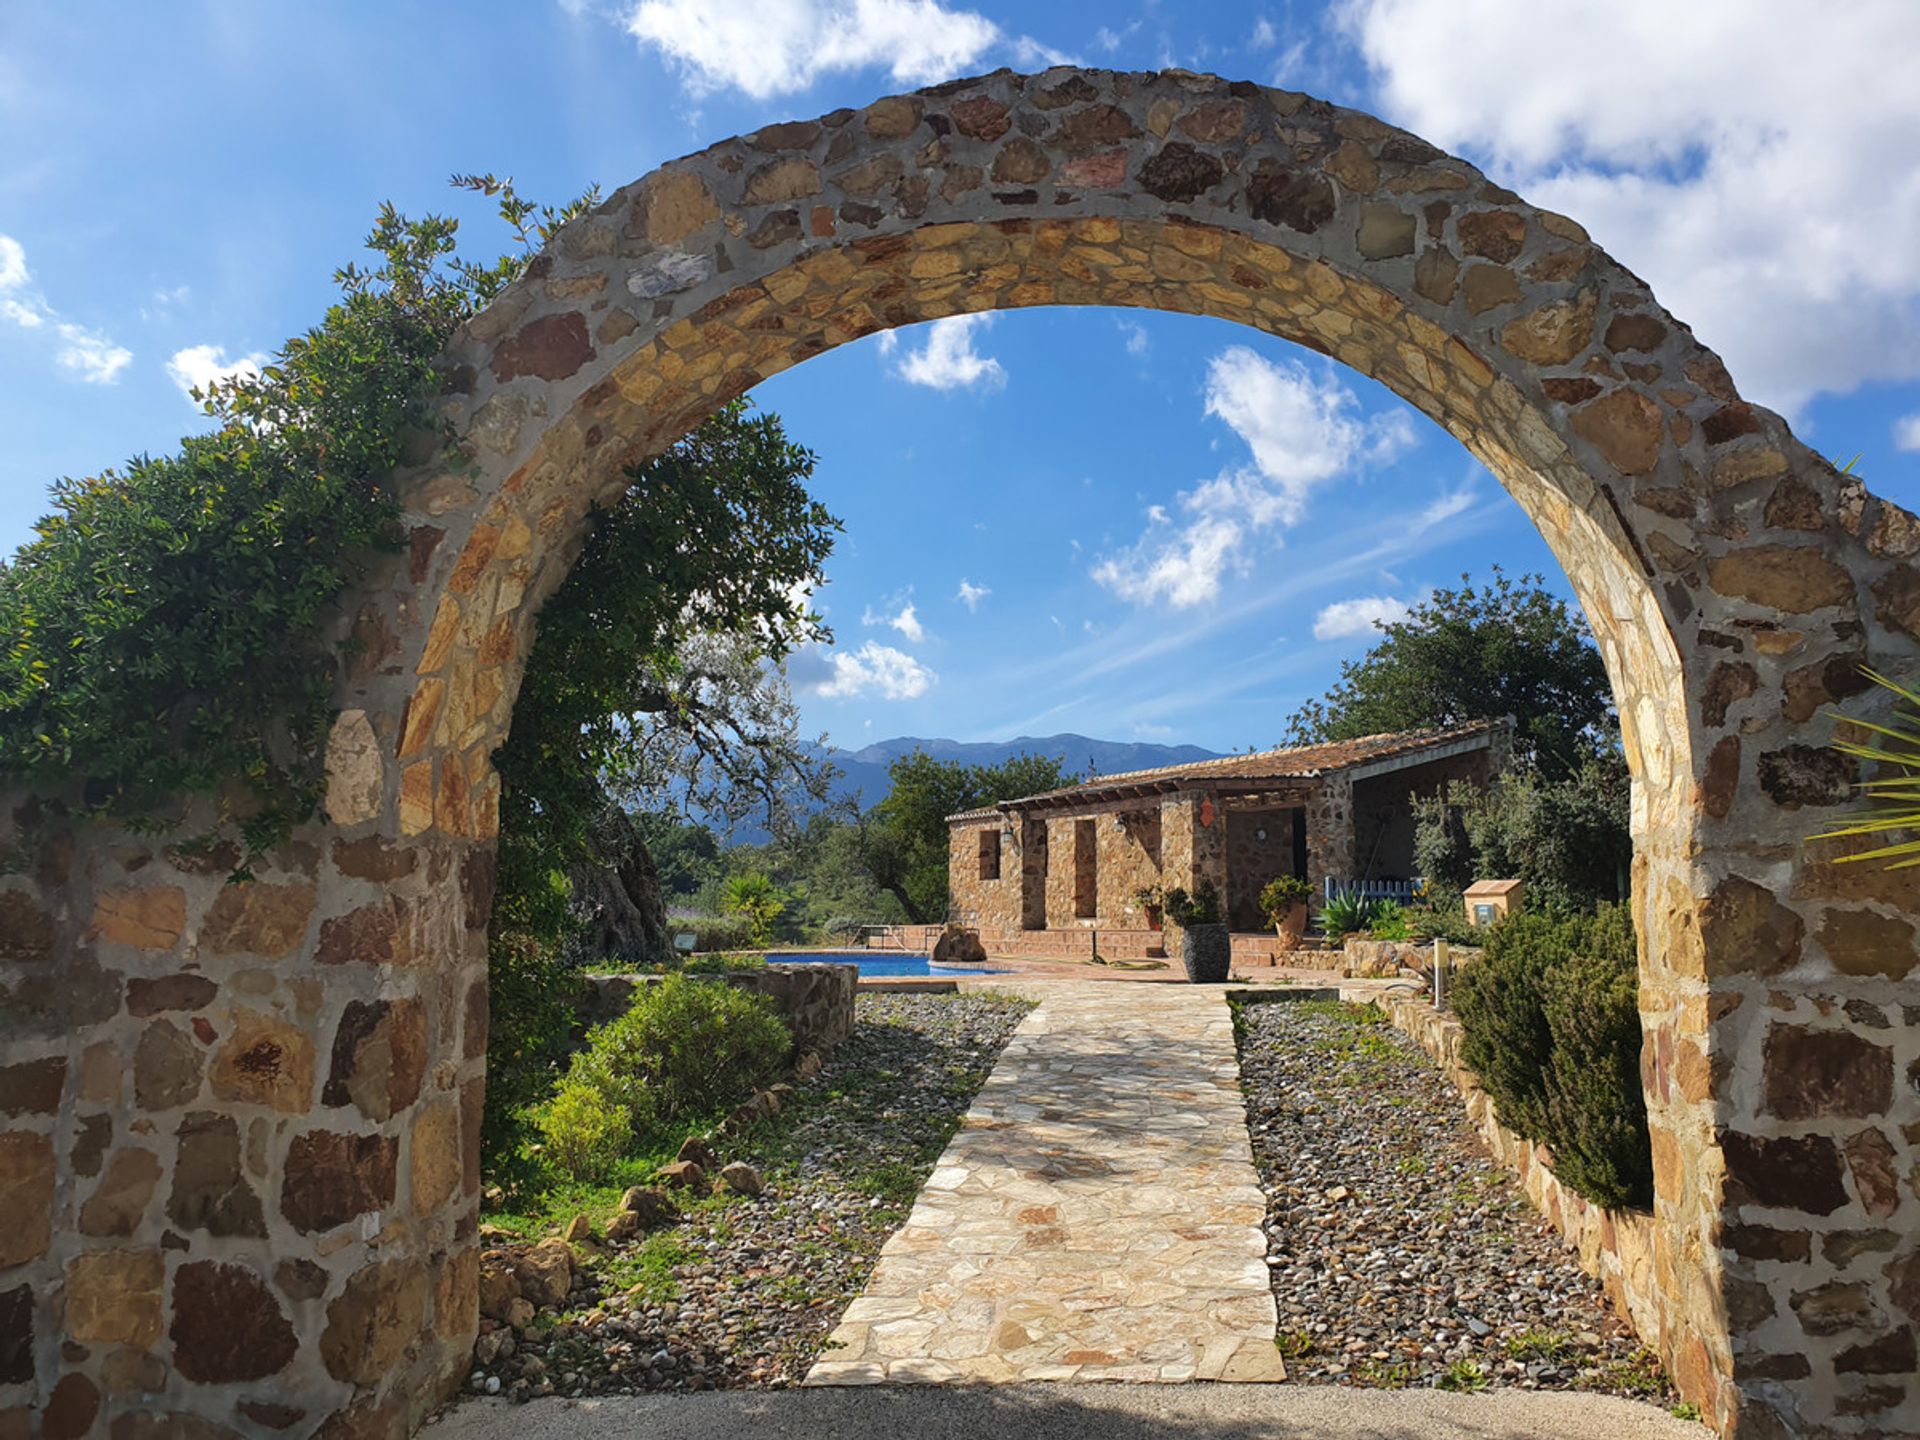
{"points": [[1193, 843], [1330, 835], [239, 1162]]}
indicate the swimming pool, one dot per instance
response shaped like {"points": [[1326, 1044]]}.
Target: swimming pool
{"points": [[875, 964]]}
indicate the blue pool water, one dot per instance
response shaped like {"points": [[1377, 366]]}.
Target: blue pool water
{"points": [[878, 965]]}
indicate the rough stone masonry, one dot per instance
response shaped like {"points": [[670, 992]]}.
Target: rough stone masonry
{"points": [[239, 1155]]}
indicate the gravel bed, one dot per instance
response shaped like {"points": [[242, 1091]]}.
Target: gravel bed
{"points": [[744, 1292], [1401, 1253]]}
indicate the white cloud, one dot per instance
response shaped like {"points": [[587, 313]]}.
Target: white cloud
{"points": [[1363, 615], [1136, 334], [970, 594], [1728, 151], [1454, 502], [90, 355], [1264, 35], [1109, 40], [198, 367], [948, 360], [1303, 430], [873, 668], [766, 48], [904, 620], [1906, 433]]}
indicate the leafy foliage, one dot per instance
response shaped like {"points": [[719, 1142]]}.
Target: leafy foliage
{"points": [[1477, 653], [1552, 1026], [1280, 894], [1894, 794], [1570, 839], [162, 634], [686, 1050], [903, 839], [757, 900], [1348, 912], [1201, 907]]}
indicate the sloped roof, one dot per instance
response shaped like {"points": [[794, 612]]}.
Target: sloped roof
{"points": [[1301, 762]]}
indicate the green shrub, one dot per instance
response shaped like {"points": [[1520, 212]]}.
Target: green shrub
{"points": [[1348, 913], [1202, 907], [1280, 894], [1390, 922], [585, 1133], [1596, 1106], [1444, 916], [687, 1049], [1552, 1027]]}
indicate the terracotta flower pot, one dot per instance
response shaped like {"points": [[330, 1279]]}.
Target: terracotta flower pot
{"points": [[1293, 927]]}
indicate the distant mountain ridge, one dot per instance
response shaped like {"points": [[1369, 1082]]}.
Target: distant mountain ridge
{"points": [[863, 772]]}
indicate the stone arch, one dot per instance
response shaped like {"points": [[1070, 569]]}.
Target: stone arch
{"points": [[1733, 578]]}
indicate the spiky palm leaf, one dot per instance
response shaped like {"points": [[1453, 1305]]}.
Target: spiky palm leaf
{"points": [[1895, 797]]}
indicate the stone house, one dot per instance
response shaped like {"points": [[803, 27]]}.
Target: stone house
{"points": [[1073, 859]]}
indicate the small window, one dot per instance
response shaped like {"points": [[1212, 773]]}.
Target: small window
{"points": [[989, 854]]}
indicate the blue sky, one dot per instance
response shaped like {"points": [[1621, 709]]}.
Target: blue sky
{"points": [[1132, 525]]}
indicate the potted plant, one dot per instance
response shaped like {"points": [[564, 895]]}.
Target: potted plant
{"points": [[1206, 947], [1150, 899], [1284, 902]]}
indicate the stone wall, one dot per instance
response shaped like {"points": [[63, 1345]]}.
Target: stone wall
{"points": [[816, 1000], [239, 1164], [1127, 846], [998, 902]]}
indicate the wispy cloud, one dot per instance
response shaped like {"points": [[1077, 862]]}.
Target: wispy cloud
{"points": [[1906, 433], [1302, 428], [948, 361], [970, 595], [1135, 336], [88, 354]]}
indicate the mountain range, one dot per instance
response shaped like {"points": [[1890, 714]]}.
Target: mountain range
{"points": [[863, 772]]}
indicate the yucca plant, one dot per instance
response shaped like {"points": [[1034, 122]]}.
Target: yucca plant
{"points": [[1895, 794]]}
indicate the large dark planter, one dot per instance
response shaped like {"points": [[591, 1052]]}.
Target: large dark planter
{"points": [[1207, 952]]}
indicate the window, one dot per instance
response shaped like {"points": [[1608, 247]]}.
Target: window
{"points": [[989, 854], [1086, 870]]}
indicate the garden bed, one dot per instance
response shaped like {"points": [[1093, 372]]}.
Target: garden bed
{"points": [[743, 1291], [1401, 1254]]}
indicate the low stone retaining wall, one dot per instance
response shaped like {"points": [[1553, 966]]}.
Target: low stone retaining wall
{"points": [[1616, 1246], [816, 1001]]}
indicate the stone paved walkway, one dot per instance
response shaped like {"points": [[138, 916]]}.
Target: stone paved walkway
{"points": [[1096, 1218]]}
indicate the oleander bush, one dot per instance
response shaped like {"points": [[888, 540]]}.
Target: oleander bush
{"points": [[1552, 1027]]}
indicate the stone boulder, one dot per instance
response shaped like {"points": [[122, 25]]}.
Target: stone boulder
{"points": [[957, 945], [649, 1205], [1375, 959], [697, 1150], [687, 1174], [499, 1284], [743, 1179], [545, 1272]]}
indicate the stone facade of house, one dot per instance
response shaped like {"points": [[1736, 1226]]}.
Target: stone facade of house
{"points": [[1078, 858]]}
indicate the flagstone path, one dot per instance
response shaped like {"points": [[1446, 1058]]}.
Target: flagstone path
{"points": [[1097, 1217]]}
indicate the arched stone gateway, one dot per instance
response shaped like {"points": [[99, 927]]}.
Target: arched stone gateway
{"points": [[238, 1177]]}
